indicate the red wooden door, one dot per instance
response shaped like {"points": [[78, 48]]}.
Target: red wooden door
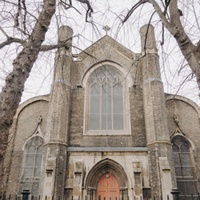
{"points": [[107, 188]]}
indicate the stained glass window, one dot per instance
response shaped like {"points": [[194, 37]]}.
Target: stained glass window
{"points": [[32, 165], [184, 167], [106, 91]]}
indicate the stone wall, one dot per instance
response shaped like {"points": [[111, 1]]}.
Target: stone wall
{"points": [[125, 59], [130, 161], [24, 126], [187, 117]]}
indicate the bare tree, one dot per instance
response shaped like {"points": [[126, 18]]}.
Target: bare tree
{"points": [[171, 15], [12, 91], [33, 27]]}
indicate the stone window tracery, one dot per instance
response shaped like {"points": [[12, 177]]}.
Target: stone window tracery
{"points": [[106, 101], [184, 167], [32, 165]]}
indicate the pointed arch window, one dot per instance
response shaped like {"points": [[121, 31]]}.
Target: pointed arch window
{"points": [[184, 167], [32, 165], [106, 100]]}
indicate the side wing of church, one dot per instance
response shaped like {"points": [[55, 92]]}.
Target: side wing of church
{"points": [[107, 131]]}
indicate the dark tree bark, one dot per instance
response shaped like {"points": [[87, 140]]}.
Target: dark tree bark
{"points": [[11, 93], [14, 85], [190, 51], [170, 16]]}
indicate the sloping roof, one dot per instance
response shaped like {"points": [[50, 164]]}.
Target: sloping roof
{"points": [[106, 41]]}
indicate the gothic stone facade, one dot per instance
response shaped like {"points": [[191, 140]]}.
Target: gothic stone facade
{"points": [[106, 131]]}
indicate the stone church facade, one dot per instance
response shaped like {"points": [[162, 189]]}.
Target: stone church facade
{"points": [[106, 131]]}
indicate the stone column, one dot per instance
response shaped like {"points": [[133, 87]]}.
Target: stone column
{"points": [[78, 180], [158, 141], [56, 138]]}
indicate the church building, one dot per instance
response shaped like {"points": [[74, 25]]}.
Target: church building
{"points": [[106, 131]]}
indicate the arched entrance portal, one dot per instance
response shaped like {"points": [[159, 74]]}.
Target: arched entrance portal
{"points": [[107, 180], [107, 188]]}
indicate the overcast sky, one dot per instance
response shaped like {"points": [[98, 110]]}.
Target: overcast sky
{"points": [[108, 13]]}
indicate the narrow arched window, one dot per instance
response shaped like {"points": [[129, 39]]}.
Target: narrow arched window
{"points": [[106, 99], [32, 165], [184, 167]]}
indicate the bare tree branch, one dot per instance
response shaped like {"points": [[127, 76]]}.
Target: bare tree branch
{"points": [[18, 14], [162, 16], [10, 95], [89, 10], [4, 32], [25, 15], [11, 40], [174, 26], [15, 4], [67, 6], [130, 12], [167, 2]]}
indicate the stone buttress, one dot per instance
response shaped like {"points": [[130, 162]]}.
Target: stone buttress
{"points": [[56, 140], [162, 178]]}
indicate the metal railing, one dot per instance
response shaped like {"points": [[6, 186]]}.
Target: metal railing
{"points": [[25, 195]]}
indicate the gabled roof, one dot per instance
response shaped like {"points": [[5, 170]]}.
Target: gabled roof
{"points": [[103, 42]]}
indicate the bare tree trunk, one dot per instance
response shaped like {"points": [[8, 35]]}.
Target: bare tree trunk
{"points": [[12, 91], [190, 51]]}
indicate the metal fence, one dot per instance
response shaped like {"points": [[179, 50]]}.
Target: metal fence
{"points": [[178, 197], [190, 197], [25, 195]]}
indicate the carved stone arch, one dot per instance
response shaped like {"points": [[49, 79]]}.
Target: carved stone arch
{"points": [[103, 167], [189, 142], [36, 133], [28, 102], [179, 139], [125, 72], [170, 97]]}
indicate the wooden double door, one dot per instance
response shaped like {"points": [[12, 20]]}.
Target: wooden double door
{"points": [[107, 188]]}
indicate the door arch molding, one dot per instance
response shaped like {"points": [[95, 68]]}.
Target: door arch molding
{"points": [[103, 167]]}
